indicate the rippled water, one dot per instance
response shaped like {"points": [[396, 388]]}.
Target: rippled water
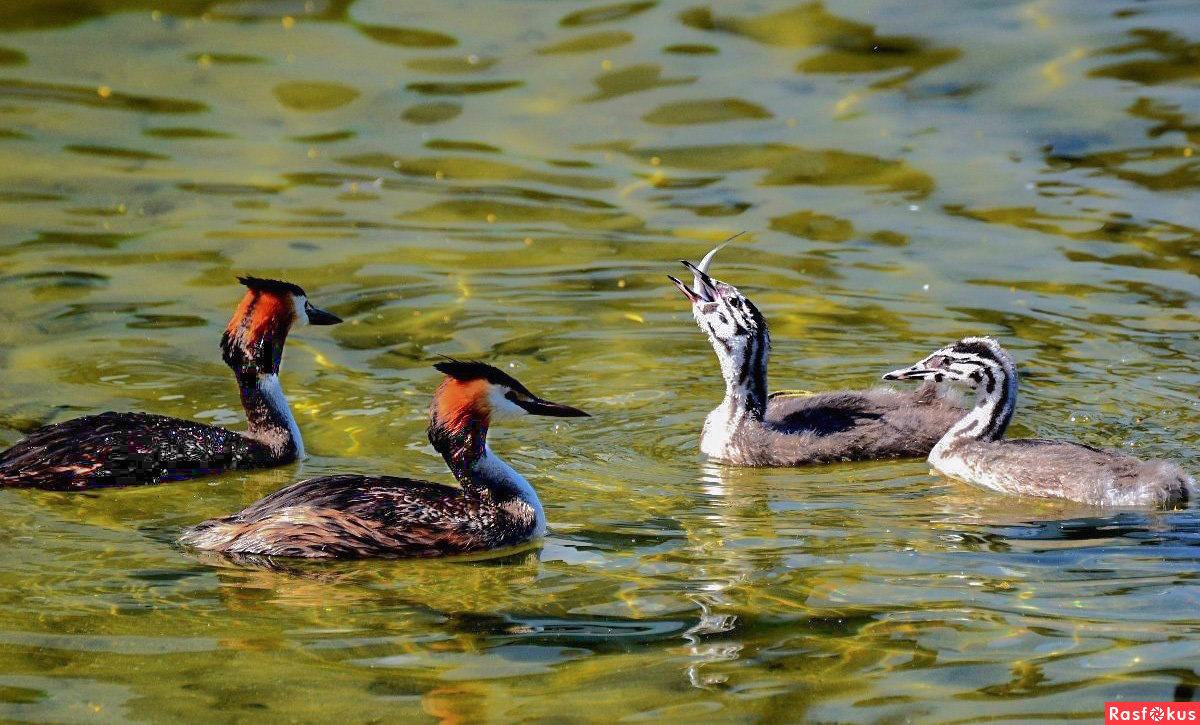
{"points": [[511, 181]]}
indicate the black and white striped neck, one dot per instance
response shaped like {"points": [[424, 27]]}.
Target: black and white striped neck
{"points": [[744, 367], [995, 402]]}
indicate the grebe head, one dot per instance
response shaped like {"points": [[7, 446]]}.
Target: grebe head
{"points": [[735, 327], [471, 395], [260, 325], [972, 361], [479, 390]]}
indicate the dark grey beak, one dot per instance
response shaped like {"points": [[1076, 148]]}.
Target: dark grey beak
{"points": [[703, 289], [916, 372], [537, 406], [687, 291], [320, 317]]}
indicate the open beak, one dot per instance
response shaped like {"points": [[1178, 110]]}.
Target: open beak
{"points": [[321, 317], [537, 406], [916, 372], [687, 291], [702, 289], [702, 283]]}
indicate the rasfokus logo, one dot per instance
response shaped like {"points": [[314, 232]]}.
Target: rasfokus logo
{"points": [[1151, 712]]}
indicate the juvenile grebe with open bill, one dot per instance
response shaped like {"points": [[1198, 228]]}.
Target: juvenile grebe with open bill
{"points": [[974, 450], [135, 449], [750, 428], [352, 516]]}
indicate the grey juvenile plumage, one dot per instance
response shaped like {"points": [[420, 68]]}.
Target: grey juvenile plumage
{"points": [[974, 450], [137, 449], [349, 516], [750, 428]]}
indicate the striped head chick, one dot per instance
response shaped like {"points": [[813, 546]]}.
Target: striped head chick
{"points": [[979, 364], [738, 333], [471, 396], [975, 451], [253, 341]]}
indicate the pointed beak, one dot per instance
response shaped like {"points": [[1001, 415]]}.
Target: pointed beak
{"points": [[916, 372], [687, 291], [702, 290], [321, 317], [538, 406]]}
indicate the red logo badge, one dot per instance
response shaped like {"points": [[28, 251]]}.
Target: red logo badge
{"points": [[1151, 712]]}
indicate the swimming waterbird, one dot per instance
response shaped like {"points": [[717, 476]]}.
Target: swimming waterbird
{"points": [[975, 450], [350, 516], [750, 428], [137, 449]]}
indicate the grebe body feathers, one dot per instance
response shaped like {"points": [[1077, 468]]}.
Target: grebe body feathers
{"points": [[974, 449], [348, 516], [132, 449], [751, 428]]}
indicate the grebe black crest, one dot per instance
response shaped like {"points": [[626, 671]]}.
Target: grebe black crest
{"points": [[975, 450], [751, 428], [133, 449], [352, 516]]}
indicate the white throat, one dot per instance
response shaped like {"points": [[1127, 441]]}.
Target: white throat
{"points": [[301, 313], [719, 427], [497, 472], [744, 368], [272, 393], [981, 422]]}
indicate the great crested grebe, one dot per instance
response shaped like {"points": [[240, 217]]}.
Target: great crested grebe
{"points": [[349, 516], [135, 449], [749, 428], [975, 451]]}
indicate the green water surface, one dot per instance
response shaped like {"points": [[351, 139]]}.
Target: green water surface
{"points": [[510, 180]]}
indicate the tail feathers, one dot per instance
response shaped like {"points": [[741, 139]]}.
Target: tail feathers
{"points": [[1163, 484], [294, 531], [213, 535], [1179, 489]]}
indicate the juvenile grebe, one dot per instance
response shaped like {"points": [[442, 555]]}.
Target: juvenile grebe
{"points": [[749, 428], [348, 516], [134, 449], [975, 451]]}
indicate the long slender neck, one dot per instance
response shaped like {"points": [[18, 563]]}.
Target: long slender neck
{"points": [[744, 367], [268, 415], [995, 401], [462, 441], [252, 347]]}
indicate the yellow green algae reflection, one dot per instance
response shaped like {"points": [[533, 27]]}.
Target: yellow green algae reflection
{"points": [[512, 182]]}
